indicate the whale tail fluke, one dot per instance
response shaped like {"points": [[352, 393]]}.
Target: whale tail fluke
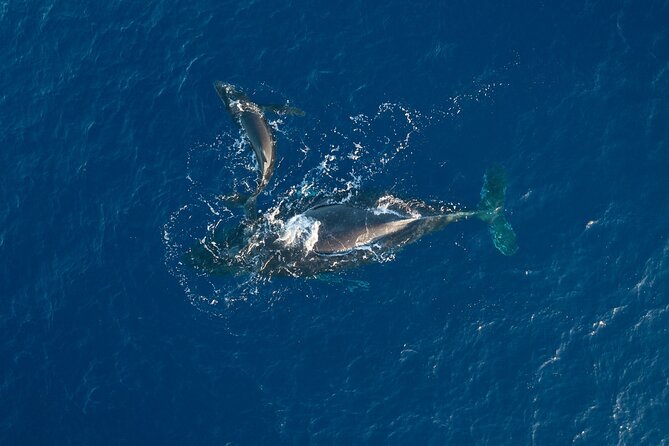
{"points": [[491, 210]]}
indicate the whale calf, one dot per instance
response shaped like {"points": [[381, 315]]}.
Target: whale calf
{"points": [[335, 236], [251, 118]]}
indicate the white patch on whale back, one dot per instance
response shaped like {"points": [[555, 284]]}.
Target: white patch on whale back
{"points": [[300, 231], [384, 210], [389, 204]]}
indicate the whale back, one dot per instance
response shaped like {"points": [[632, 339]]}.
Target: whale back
{"points": [[343, 228], [262, 141]]}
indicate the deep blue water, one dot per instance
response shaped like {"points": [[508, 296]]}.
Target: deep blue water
{"points": [[113, 146]]}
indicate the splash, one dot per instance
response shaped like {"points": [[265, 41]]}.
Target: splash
{"points": [[300, 232]]}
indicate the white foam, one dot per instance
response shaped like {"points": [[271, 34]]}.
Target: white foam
{"points": [[300, 231]]}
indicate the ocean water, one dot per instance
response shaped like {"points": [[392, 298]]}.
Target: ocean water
{"points": [[114, 147]]}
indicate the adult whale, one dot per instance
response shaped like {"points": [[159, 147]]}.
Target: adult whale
{"points": [[334, 236], [251, 118]]}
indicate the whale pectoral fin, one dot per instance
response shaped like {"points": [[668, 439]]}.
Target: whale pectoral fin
{"points": [[246, 201], [282, 109]]}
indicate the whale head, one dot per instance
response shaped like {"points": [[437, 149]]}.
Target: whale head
{"points": [[228, 93]]}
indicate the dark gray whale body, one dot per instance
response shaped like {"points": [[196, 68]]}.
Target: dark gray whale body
{"points": [[335, 236], [342, 228]]}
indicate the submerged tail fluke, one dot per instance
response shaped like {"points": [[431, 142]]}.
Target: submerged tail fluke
{"points": [[491, 210]]}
